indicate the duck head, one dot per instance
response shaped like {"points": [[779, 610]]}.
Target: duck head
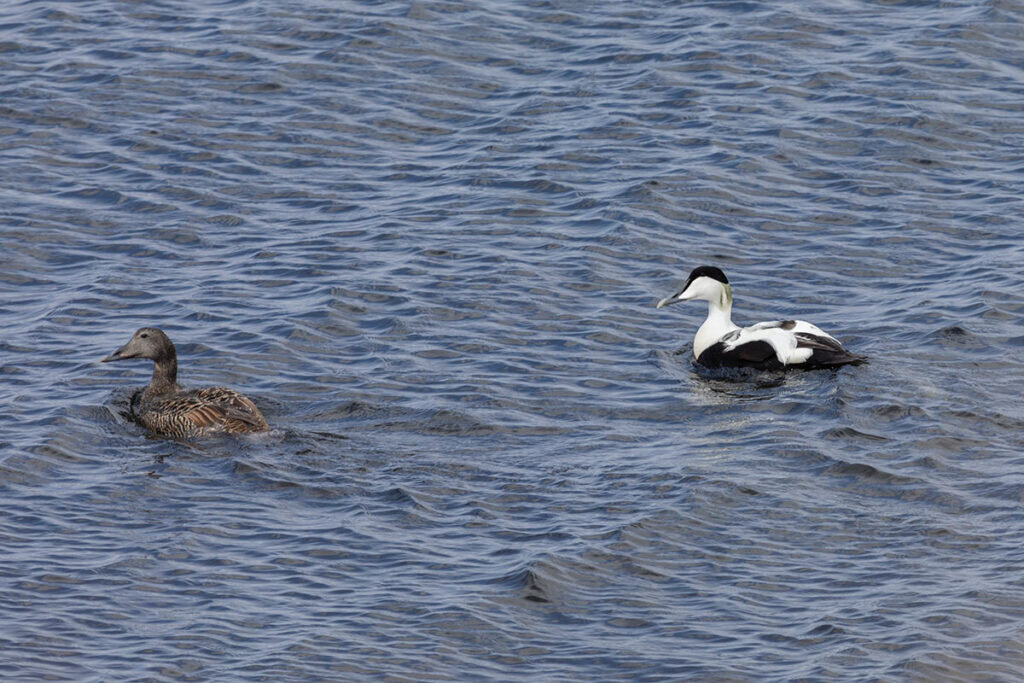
{"points": [[706, 283], [147, 342]]}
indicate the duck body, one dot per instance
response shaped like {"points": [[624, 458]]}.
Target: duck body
{"points": [[776, 345], [201, 412], [165, 407]]}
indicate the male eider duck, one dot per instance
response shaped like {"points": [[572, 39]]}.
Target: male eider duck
{"points": [[720, 343], [166, 408]]}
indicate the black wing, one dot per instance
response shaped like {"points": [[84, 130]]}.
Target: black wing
{"points": [[757, 354], [825, 351]]}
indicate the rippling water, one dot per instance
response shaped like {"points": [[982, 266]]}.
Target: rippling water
{"points": [[427, 239]]}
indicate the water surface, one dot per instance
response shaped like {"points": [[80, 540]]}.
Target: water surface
{"points": [[427, 239]]}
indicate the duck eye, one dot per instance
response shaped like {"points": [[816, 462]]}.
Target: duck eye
{"points": [[144, 335]]}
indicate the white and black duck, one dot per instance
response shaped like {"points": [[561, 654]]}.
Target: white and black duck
{"points": [[720, 343], [166, 408]]}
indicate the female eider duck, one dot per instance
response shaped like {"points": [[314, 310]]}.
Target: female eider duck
{"points": [[166, 408], [720, 343]]}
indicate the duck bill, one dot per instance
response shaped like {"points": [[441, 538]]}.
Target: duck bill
{"points": [[116, 355], [661, 304], [674, 299]]}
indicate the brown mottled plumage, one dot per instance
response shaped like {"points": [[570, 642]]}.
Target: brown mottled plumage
{"points": [[166, 408]]}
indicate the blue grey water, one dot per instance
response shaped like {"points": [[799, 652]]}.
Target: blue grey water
{"points": [[427, 239]]}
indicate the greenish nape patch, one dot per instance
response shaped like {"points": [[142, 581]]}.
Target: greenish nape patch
{"points": [[726, 299]]}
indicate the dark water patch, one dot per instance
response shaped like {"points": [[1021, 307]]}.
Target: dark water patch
{"points": [[959, 337], [867, 473], [849, 433], [530, 584]]}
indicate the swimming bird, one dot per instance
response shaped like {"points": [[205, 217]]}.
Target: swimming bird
{"points": [[720, 343], [166, 408]]}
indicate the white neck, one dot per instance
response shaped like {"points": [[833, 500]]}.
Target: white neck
{"points": [[719, 323]]}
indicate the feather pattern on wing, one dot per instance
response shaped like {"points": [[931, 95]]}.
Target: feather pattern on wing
{"points": [[200, 412]]}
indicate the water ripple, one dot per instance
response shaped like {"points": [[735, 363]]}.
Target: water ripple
{"points": [[427, 239]]}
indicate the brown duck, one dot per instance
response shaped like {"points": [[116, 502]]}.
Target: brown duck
{"points": [[166, 408]]}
